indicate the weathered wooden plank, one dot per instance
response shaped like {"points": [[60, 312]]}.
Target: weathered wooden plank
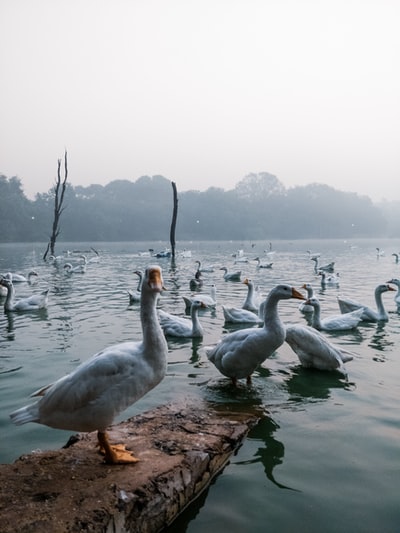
{"points": [[181, 449]]}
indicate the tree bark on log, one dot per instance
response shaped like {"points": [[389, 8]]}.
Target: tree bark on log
{"points": [[180, 450]]}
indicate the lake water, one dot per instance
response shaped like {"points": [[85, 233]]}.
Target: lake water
{"points": [[326, 455]]}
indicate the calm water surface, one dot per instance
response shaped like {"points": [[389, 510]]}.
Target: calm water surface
{"points": [[326, 454]]}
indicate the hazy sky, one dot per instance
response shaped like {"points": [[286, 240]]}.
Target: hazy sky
{"points": [[202, 92]]}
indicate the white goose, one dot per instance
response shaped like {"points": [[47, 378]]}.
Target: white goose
{"points": [[250, 302], [369, 314], [209, 300], [176, 326], [231, 276], [303, 306], [341, 322], [19, 278], [396, 281], [201, 269], [329, 280], [237, 315], [31, 303], [239, 353], [315, 351], [91, 396], [330, 267], [77, 269], [135, 296], [262, 265]]}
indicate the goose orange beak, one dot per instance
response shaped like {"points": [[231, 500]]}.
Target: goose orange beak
{"points": [[297, 294]]}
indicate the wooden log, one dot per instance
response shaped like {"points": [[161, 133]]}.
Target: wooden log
{"points": [[180, 450]]}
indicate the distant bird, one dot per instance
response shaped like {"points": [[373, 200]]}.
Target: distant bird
{"points": [[315, 351], [31, 303], [209, 300], [303, 306], [330, 267], [197, 282], [135, 296], [201, 269], [176, 326], [231, 276], [396, 281], [78, 269], [329, 280], [239, 353], [92, 395], [368, 315], [262, 265], [19, 278], [341, 322], [379, 252], [396, 257]]}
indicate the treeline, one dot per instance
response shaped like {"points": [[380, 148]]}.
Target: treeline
{"points": [[258, 208]]}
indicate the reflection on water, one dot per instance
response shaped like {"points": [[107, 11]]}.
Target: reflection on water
{"points": [[320, 435]]}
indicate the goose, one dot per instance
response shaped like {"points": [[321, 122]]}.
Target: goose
{"points": [[379, 252], [303, 306], [329, 280], [89, 398], [209, 300], [231, 276], [396, 257], [208, 268], [238, 315], [396, 281], [196, 283], [341, 322], [369, 314], [330, 267], [176, 326], [31, 303], [262, 265], [78, 269], [135, 296], [250, 302], [240, 352], [19, 278], [315, 351]]}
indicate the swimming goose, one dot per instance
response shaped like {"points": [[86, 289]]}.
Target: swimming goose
{"points": [[369, 314], [231, 276], [315, 351], [135, 296], [209, 300], [250, 302], [396, 281], [89, 398], [19, 278], [196, 283], [177, 326], [329, 280], [31, 303], [341, 322], [303, 306], [262, 265], [239, 353], [78, 269], [238, 315], [201, 269], [330, 267]]}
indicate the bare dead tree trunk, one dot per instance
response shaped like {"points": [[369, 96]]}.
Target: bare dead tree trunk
{"points": [[59, 192], [173, 223]]}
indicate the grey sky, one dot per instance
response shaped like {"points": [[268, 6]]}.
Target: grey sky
{"points": [[202, 92]]}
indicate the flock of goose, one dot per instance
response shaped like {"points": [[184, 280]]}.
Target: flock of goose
{"points": [[90, 397]]}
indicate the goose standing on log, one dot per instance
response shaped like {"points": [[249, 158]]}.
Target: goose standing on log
{"points": [[89, 398], [368, 315], [239, 353]]}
